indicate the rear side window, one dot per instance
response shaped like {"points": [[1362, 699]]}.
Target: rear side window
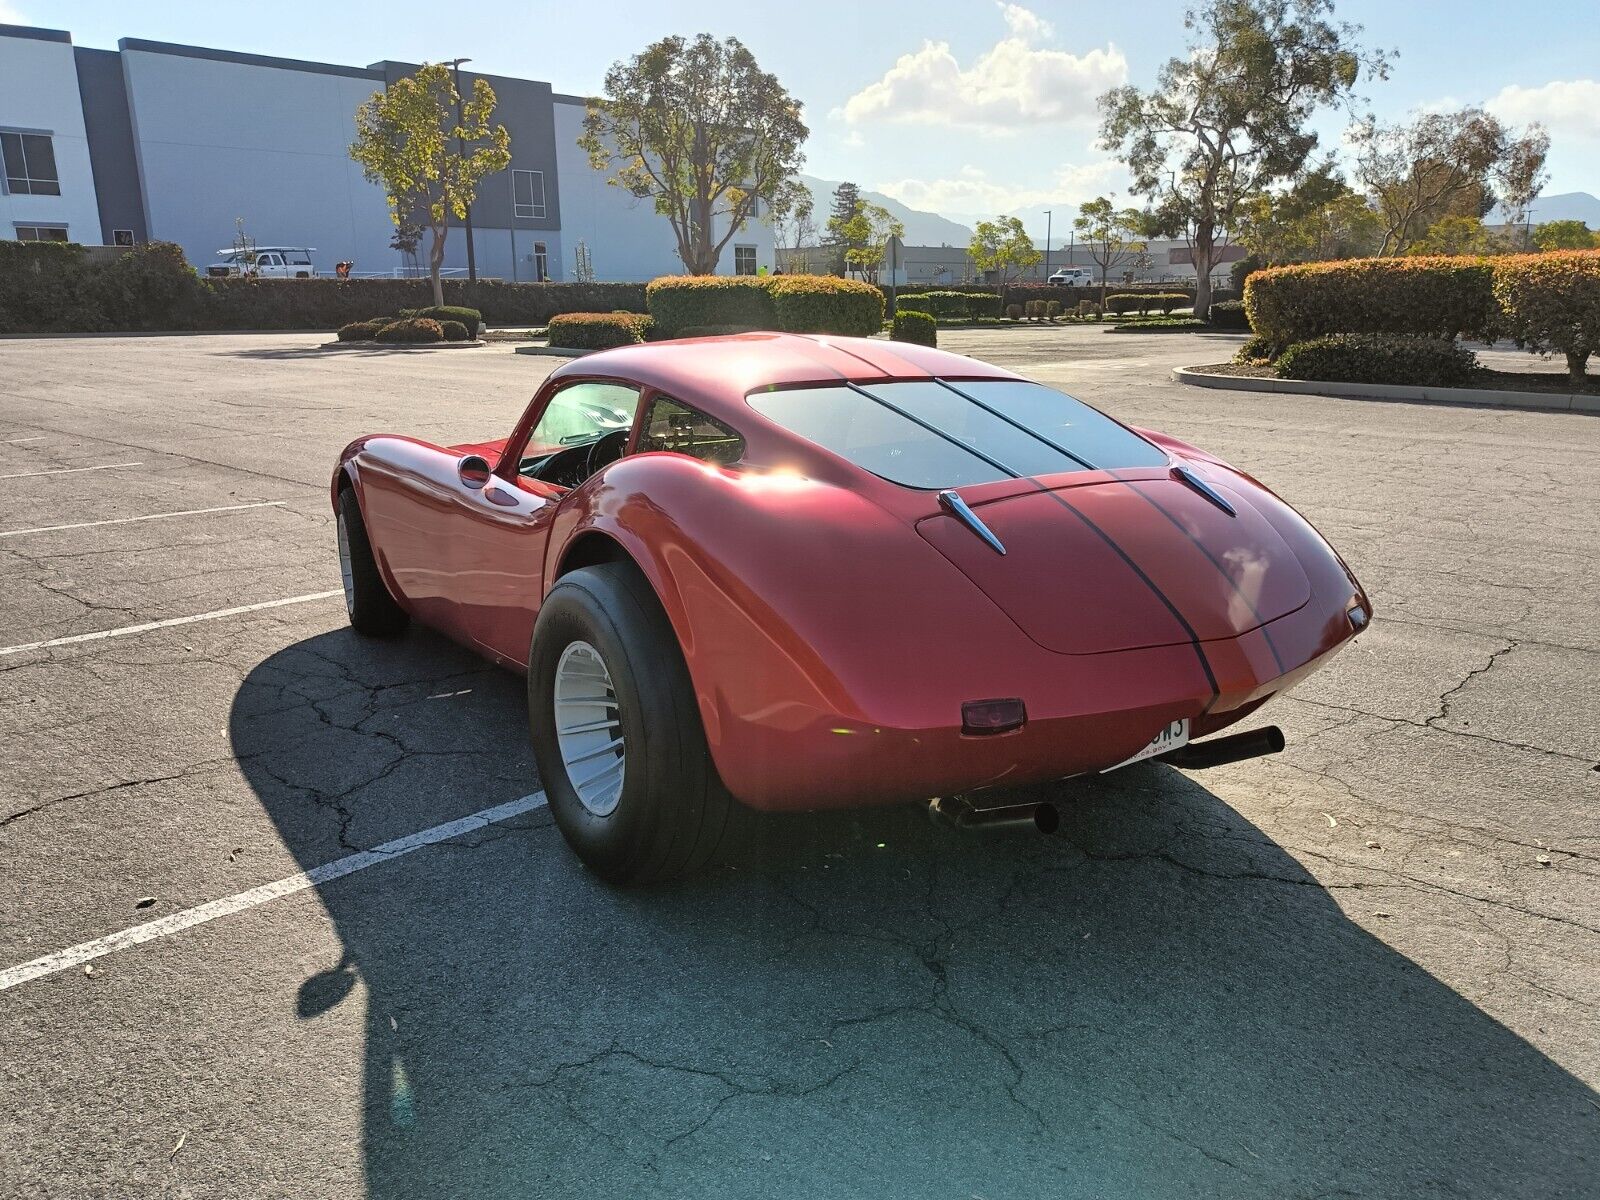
{"points": [[680, 429], [932, 434]]}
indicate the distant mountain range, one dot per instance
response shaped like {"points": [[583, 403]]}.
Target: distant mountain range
{"points": [[1564, 206], [922, 228], [931, 229]]}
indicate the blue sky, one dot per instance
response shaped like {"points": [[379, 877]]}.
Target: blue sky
{"points": [[965, 107]]}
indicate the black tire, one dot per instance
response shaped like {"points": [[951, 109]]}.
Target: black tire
{"points": [[373, 611], [673, 812]]}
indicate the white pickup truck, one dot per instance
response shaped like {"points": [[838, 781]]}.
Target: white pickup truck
{"points": [[270, 262], [1073, 277]]}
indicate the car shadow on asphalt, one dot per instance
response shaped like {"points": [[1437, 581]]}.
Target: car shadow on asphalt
{"points": [[1158, 1001]]}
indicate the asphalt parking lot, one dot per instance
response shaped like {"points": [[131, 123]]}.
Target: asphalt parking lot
{"points": [[1369, 966]]}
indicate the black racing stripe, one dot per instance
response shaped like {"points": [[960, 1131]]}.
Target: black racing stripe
{"points": [[1194, 638], [1211, 558]]}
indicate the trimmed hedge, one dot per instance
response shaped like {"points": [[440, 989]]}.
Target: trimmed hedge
{"points": [[952, 305], [454, 331], [679, 302], [54, 287], [825, 304], [1551, 304], [362, 331], [470, 317], [1375, 358], [1230, 315], [917, 327], [1435, 297], [411, 329], [598, 331], [794, 303], [1162, 325]]}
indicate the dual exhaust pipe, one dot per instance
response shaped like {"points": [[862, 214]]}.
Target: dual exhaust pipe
{"points": [[959, 812]]}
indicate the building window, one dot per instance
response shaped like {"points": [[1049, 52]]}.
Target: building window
{"points": [[122, 237], [744, 260], [527, 194], [541, 262], [41, 233], [30, 164]]}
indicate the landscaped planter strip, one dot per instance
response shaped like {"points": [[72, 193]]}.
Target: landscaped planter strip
{"points": [[1482, 397]]}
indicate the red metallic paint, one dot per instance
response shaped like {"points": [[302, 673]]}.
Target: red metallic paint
{"points": [[830, 646]]}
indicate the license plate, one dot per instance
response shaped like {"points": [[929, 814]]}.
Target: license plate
{"points": [[1171, 736]]}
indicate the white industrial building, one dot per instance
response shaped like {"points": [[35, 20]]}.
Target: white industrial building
{"points": [[154, 141]]}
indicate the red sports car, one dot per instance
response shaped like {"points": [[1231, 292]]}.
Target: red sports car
{"points": [[809, 572]]}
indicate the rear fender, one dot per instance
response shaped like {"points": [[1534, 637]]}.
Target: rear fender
{"points": [[799, 605]]}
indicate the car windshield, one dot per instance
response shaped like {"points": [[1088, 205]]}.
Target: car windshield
{"points": [[582, 413], [939, 434]]}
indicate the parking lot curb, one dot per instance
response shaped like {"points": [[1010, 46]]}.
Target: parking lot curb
{"points": [[1479, 397], [553, 351], [372, 344]]}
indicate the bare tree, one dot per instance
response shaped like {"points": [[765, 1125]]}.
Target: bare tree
{"points": [[1439, 165]]}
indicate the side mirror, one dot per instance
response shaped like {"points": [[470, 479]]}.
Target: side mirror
{"points": [[474, 471]]}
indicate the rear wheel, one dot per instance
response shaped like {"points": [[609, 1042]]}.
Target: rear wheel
{"points": [[366, 597], [617, 733]]}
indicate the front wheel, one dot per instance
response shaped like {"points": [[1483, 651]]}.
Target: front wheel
{"points": [[616, 731], [366, 597]]}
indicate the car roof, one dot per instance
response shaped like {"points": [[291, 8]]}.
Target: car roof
{"points": [[720, 372]]}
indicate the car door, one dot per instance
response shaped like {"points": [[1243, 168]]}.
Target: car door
{"points": [[498, 556]]}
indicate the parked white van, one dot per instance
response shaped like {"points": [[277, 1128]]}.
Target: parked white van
{"points": [[271, 262]]}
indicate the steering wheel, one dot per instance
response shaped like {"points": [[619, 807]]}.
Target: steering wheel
{"points": [[605, 451]]}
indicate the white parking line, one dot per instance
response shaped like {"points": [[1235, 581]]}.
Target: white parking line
{"points": [[19, 441], [71, 470], [129, 630], [73, 956], [187, 512]]}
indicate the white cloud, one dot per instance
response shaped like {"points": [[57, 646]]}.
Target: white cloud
{"points": [[10, 14], [1570, 107], [1012, 84], [972, 192], [1024, 23]]}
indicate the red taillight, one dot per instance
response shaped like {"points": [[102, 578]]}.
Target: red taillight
{"points": [[992, 716]]}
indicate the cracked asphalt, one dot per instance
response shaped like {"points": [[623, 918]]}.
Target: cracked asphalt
{"points": [[1369, 966]]}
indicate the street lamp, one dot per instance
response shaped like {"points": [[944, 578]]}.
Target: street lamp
{"points": [[461, 149], [1048, 216]]}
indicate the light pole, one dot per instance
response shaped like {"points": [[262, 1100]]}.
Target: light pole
{"points": [[461, 149], [1048, 216]]}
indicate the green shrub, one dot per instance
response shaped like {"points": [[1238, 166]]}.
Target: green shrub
{"points": [[1167, 301], [1052, 309], [948, 306], [825, 304], [1434, 297], [148, 287], [1230, 315], [362, 331], [981, 305], [677, 302], [695, 331], [454, 331], [1378, 358], [411, 329], [1125, 302], [470, 317], [597, 331], [918, 327], [1255, 351], [1014, 312], [1551, 304]]}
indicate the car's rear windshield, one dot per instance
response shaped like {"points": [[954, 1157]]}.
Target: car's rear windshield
{"points": [[938, 434]]}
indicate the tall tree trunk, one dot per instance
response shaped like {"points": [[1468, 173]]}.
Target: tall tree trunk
{"points": [[1201, 250], [435, 262], [1577, 364]]}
